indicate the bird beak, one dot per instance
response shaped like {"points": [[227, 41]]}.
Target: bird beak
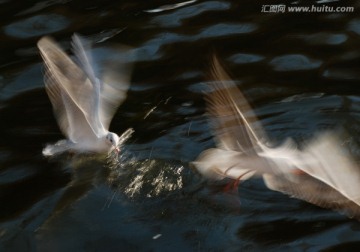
{"points": [[117, 149]]}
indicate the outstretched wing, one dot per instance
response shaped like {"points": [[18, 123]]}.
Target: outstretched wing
{"points": [[91, 105], [332, 165], [110, 91], [314, 191], [236, 127], [60, 75], [321, 173], [239, 134], [115, 83]]}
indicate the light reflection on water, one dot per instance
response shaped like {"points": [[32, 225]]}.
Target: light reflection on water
{"points": [[300, 72]]}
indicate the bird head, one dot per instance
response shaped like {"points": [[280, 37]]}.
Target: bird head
{"points": [[113, 140]]}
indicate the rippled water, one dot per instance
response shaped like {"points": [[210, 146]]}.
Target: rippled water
{"points": [[300, 71]]}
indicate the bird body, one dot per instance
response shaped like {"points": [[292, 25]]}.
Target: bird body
{"points": [[83, 105], [320, 173]]}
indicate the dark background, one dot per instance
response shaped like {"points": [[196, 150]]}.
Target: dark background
{"points": [[300, 72]]}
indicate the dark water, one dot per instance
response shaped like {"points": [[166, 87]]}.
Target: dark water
{"points": [[301, 72]]}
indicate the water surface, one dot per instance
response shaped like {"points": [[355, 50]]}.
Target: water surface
{"points": [[300, 72]]}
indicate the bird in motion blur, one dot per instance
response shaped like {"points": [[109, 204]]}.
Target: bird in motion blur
{"points": [[83, 105], [320, 173]]}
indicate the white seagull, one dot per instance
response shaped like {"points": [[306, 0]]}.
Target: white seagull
{"points": [[321, 173], [83, 105]]}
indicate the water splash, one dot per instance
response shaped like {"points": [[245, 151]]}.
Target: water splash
{"points": [[147, 178], [170, 7], [125, 136], [150, 111]]}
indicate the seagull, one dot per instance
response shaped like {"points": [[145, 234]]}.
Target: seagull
{"points": [[320, 173], [83, 105]]}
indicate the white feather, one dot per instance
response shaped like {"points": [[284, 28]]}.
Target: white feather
{"points": [[321, 173], [82, 104]]}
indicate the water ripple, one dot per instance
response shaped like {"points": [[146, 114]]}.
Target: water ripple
{"points": [[325, 38], [245, 58], [15, 174], [294, 62], [175, 19], [337, 73], [224, 29], [151, 49], [354, 26], [170, 6], [26, 80], [37, 26], [41, 5], [296, 70]]}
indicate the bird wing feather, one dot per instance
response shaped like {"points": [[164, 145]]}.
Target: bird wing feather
{"points": [[236, 126], [111, 90], [330, 177], [68, 88]]}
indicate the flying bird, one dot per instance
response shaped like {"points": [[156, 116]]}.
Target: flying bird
{"points": [[83, 104], [320, 173]]}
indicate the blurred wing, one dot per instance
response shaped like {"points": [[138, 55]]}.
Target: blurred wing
{"points": [[70, 117], [115, 83], [236, 126], [329, 177], [333, 166], [218, 164], [238, 132], [310, 189], [81, 49], [111, 91]]}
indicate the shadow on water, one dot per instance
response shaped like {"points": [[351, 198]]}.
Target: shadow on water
{"points": [[300, 72]]}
